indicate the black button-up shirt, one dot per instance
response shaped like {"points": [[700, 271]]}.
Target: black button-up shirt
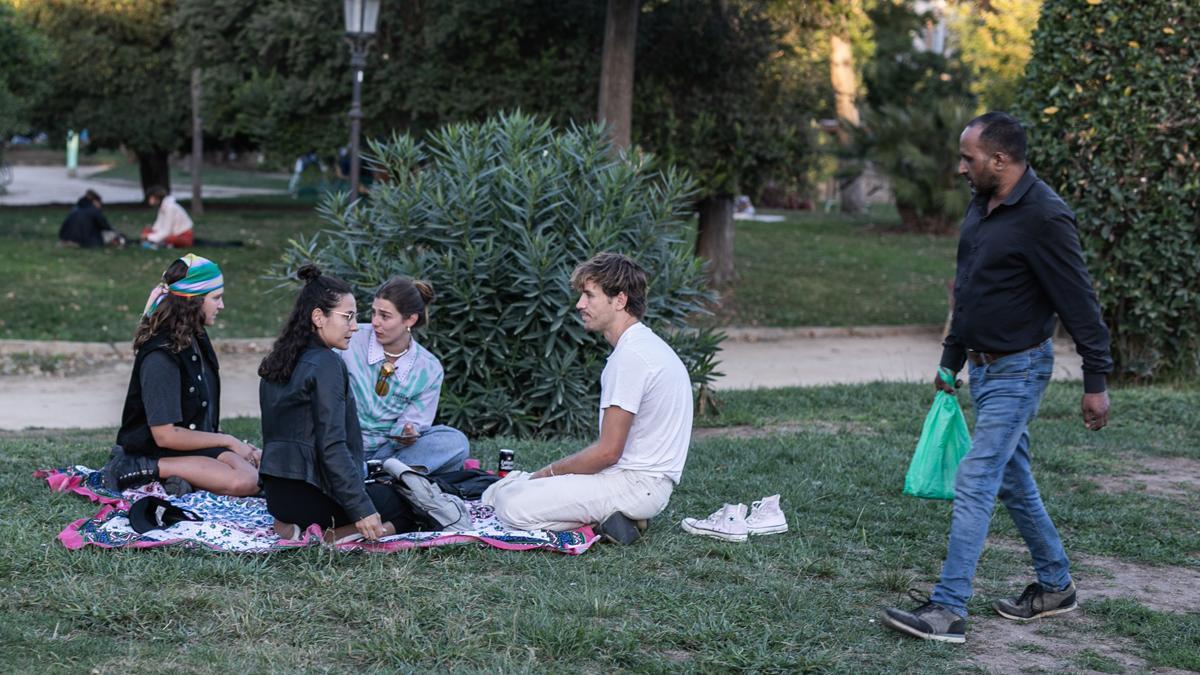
{"points": [[1017, 267]]}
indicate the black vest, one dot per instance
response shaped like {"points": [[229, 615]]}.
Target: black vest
{"points": [[135, 434]]}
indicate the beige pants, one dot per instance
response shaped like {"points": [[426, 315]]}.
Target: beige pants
{"points": [[575, 500]]}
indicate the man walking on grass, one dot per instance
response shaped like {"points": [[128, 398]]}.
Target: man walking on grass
{"points": [[628, 474], [1019, 264]]}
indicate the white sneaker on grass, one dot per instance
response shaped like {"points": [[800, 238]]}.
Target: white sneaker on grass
{"points": [[727, 522], [766, 517]]}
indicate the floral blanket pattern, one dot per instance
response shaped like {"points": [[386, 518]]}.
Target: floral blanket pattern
{"points": [[243, 525]]}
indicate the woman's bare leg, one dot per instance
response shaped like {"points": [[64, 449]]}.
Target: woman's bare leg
{"points": [[229, 474]]}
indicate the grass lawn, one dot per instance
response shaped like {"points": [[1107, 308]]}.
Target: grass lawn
{"points": [[805, 600], [817, 269], [94, 295], [812, 270]]}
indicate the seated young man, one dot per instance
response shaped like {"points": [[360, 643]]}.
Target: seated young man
{"points": [[645, 422]]}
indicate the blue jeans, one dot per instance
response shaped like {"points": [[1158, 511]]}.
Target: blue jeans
{"points": [[1006, 393], [439, 449]]}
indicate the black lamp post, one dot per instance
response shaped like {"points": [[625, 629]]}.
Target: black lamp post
{"points": [[361, 17]]}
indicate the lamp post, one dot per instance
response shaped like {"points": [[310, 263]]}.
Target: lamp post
{"points": [[361, 17]]}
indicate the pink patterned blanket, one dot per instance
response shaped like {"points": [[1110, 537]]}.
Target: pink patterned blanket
{"points": [[243, 525]]}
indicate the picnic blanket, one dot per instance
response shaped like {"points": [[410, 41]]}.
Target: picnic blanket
{"points": [[243, 525]]}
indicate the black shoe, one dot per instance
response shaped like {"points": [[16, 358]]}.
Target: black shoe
{"points": [[1035, 601], [930, 621], [618, 529], [177, 487], [124, 471]]}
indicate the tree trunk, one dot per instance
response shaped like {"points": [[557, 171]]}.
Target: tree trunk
{"points": [[154, 170], [197, 144], [845, 88], [714, 241], [616, 70]]}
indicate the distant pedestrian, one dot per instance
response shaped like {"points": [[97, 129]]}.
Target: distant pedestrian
{"points": [[172, 227], [1019, 265], [86, 226], [303, 162]]}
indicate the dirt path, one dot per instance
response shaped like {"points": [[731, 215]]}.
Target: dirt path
{"points": [[33, 185], [89, 388], [1073, 642]]}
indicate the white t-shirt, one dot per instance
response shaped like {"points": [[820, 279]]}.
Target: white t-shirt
{"points": [[644, 376]]}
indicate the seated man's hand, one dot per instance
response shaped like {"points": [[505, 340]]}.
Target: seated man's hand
{"points": [[543, 472]]}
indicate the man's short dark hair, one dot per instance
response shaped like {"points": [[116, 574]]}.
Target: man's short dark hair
{"points": [[615, 274], [1001, 133]]}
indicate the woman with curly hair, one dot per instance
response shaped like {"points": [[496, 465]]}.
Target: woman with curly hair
{"points": [[398, 383], [313, 469], [170, 427]]}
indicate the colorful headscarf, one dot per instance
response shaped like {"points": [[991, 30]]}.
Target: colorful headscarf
{"points": [[203, 277]]}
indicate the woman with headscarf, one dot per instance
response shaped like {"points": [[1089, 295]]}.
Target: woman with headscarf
{"points": [[170, 427]]}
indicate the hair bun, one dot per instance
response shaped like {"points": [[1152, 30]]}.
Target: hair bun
{"points": [[426, 291], [309, 273]]}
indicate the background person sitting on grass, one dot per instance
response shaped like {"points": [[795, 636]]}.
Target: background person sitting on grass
{"points": [[628, 474], [397, 383], [172, 226], [86, 225], [313, 467], [170, 427]]}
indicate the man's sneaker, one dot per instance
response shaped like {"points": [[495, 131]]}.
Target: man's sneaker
{"points": [[619, 529], [727, 522], [766, 517], [125, 471], [930, 621], [1035, 601]]}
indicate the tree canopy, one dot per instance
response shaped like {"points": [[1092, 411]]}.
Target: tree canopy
{"points": [[26, 59]]}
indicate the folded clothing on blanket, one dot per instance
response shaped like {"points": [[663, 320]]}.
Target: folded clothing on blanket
{"points": [[243, 525]]}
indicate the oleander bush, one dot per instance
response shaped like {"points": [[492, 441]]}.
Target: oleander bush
{"points": [[496, 215], [1111, 93]]}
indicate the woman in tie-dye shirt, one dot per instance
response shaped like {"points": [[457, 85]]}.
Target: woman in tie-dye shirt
{"points": [[397, 383]]}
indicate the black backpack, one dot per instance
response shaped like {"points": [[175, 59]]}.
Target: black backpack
{"points": [[466, 483]]}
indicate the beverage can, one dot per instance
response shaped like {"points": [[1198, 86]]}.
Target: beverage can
{"points": [[506, 463]]}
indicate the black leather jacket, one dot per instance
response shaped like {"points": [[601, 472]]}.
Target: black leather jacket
{"points": [[310, 430]]}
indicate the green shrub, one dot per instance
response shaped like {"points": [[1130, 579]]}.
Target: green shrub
{"points": [[916, 106], [496, 215], [1111, 91], [917, 149]]}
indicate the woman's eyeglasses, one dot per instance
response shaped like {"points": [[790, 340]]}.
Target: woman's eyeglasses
{"points": [[382, 386], [350, 316]]}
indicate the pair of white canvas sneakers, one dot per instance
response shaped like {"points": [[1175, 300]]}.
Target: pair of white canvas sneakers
{"points": [[731, 522]]}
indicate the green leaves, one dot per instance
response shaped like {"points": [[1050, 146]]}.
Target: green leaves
{"points": [[496, 215], [1111, 92]]}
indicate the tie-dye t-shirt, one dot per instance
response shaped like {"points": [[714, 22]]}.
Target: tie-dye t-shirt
{"points": [[411, 399]]}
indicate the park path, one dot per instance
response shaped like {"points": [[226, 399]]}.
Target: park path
{"points": [[38, 185], [92, 392]]}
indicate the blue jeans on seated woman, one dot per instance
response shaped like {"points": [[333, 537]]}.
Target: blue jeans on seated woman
{"points": [[1006, 394], [439, 449]]}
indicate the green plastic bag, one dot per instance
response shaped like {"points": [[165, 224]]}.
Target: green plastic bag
{"points": [[944, 441]]}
